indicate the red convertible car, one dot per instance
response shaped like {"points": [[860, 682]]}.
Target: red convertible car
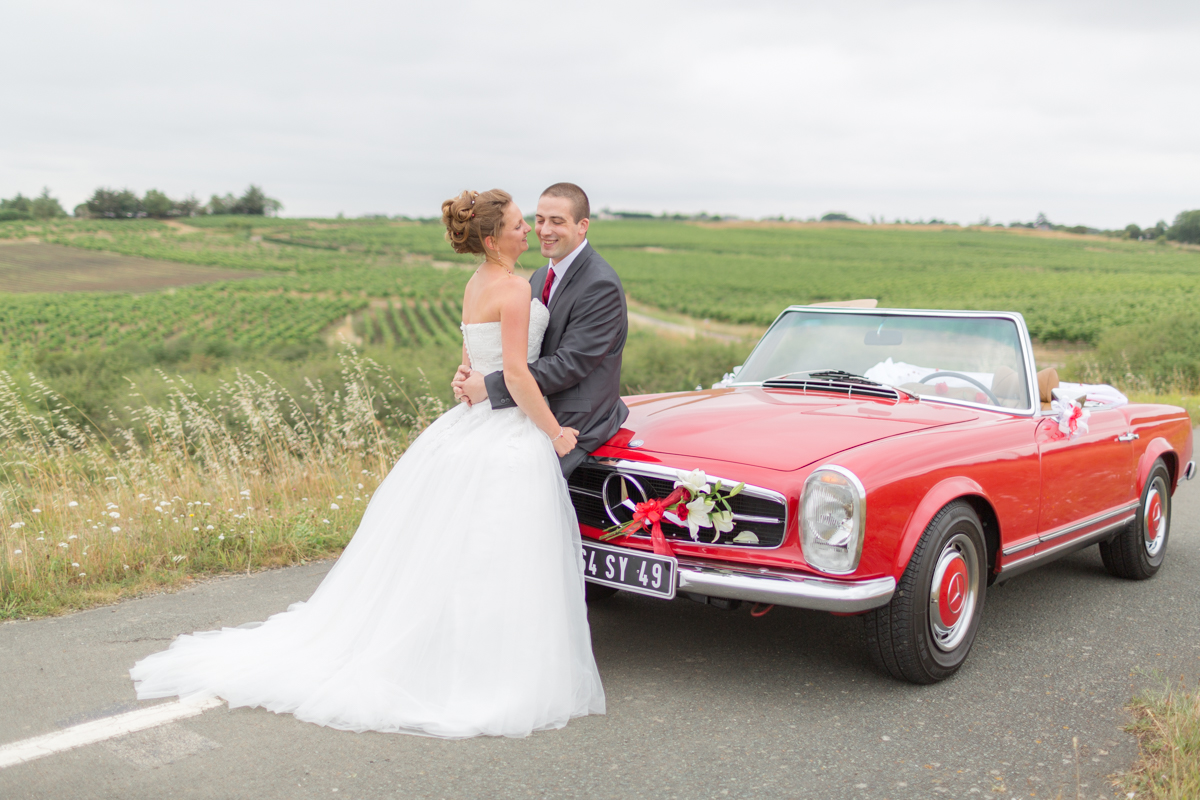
{"points": [[895, 464]]}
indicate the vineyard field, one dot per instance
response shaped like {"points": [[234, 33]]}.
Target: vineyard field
{"points": [[34, 267], [399, 282]]}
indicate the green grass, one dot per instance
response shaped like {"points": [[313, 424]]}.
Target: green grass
{"points": [[1167, 725]]}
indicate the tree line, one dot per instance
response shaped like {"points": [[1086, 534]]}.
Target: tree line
{"points": [[125, 204]]}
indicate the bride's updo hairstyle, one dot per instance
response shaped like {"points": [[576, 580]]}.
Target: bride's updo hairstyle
{"points": [[472, 217]]}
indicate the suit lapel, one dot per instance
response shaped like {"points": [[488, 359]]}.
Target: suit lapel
{"points": [[536, 281], [577, 266]]}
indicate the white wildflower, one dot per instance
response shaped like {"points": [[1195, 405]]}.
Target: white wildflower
{"points": [[37, 510], [221, 538], [115, 529], [17, 525], [333, 506], [125, 566], [83, 574], [208, 527], [72, 504], [72, 536], [114, 514], [74, 564], [360, 486], [16, 552], [41, 538], [195, 529], [339, 497], [325, 521], [244, 492], [62, 544]]}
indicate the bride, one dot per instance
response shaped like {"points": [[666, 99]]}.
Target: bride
{"points": [[458, 607]]}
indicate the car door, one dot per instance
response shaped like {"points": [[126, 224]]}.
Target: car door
{"points": [[1088, 481]]}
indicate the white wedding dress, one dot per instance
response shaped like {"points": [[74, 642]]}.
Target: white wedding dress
{"points": [[456, 610]]}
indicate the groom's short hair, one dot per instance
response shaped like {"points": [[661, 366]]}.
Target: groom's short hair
{"points": [[579, 200]]}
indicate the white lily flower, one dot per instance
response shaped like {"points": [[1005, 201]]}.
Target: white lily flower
{"points": [[722, 521], [695, 481], [698, 511]]}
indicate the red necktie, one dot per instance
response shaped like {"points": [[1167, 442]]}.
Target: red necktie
{"points": [[549, 283]]}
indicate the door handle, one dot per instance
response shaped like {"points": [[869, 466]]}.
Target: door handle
{"points": [[1127, 437]]}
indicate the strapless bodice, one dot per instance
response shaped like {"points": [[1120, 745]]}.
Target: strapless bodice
{"points": [[485, 349]]}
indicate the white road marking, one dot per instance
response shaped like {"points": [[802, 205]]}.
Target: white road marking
{"points": [[101, 729]]}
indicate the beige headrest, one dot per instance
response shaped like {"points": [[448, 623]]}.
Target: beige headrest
{"points": [[1006, 383], [1047, 381]]}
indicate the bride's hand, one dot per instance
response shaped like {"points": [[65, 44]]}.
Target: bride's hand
{"points": [[456, 383], [566, 442]]}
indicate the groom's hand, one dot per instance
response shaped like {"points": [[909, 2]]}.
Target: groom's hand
{"points": [[471, 387], [460, 376], [474, 388]]}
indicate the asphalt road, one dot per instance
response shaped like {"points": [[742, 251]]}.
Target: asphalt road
{"points": [[703, 703]]}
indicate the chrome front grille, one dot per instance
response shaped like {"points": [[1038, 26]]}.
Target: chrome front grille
{"points": [[761, 512]]}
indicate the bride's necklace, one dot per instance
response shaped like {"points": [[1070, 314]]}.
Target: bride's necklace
{"points": [[498, 264]]}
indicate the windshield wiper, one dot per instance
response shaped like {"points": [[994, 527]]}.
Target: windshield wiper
{"points": [[839, 375]]}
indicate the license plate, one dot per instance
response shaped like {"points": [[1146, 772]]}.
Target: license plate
{"points": [[630, 570]]}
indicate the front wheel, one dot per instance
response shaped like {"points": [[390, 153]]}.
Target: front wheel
{"points": [[925, 633], [1138, 550]]}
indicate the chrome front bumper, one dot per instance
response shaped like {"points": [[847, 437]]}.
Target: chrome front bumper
{"points": [[782, 587]]}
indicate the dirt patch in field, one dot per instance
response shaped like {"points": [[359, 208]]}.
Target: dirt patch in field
{"points": [[54, 268]]}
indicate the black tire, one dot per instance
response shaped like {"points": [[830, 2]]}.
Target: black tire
{"points": [[912, 638], [1137, 552], [595, 592]]}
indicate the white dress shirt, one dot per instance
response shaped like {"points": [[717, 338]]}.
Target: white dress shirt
{"points": [[560, 269]]}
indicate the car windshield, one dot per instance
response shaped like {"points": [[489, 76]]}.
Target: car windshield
{"points": [[966, 359]]}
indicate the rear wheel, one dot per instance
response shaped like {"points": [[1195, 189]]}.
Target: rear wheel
{"points": [[925, 633], [1138, 551]]}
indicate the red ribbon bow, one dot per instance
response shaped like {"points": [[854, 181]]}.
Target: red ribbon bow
{"points": [[649, 514]]}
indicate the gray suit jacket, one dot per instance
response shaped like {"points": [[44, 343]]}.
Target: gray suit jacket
{"points": [[579, 371]]}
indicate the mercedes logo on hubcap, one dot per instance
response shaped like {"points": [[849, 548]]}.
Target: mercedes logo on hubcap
{"points": [[955, 594], [620, 494]]}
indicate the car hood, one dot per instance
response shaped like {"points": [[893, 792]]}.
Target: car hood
{"points": [[779, 429]]}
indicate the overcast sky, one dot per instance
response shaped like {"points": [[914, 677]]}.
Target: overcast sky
{"points": [[1086, 111]]}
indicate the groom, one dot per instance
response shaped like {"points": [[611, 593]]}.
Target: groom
{"points": [[579, 370]]}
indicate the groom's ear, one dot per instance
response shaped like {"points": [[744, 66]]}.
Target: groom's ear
{"points": [[583, 226]]}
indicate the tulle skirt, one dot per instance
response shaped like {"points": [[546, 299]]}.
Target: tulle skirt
{"points": [[456, 610]]}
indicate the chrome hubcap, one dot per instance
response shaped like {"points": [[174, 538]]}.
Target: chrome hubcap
{"points": [[1154, 520], [954, 592]]}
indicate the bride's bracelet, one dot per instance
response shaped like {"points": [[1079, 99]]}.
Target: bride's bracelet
{"points": [[560, 434]]}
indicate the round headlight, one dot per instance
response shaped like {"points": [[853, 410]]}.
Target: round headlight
{"points": [[832, 519]]}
